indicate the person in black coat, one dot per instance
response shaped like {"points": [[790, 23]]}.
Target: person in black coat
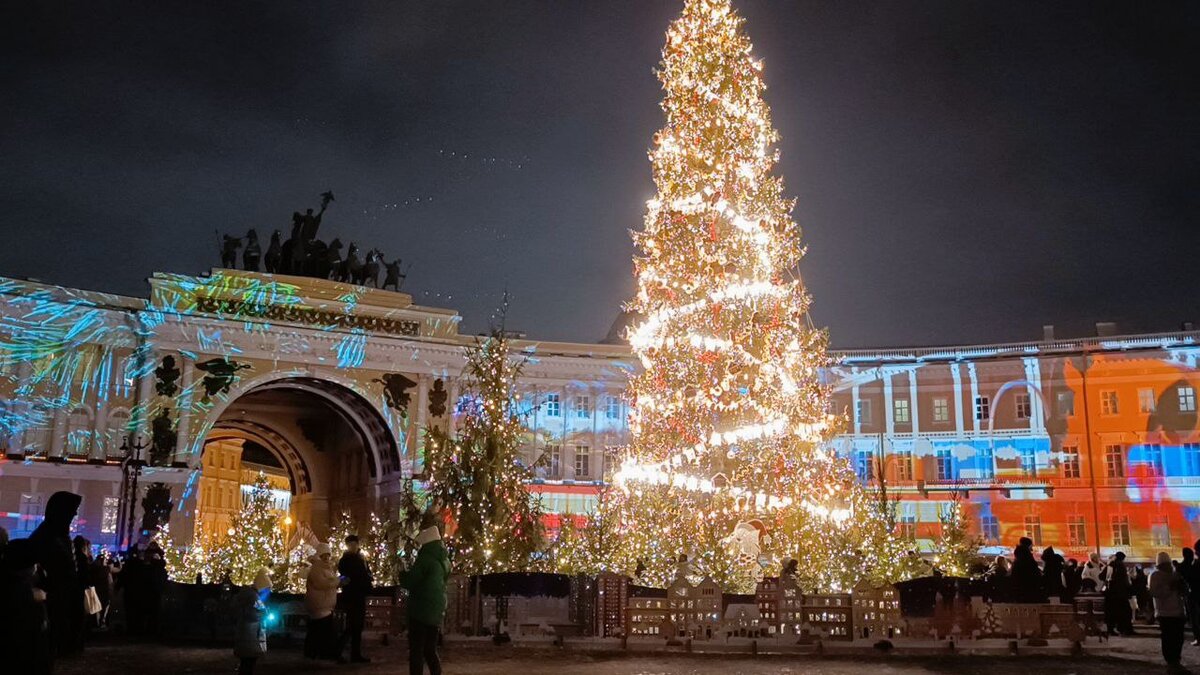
{"points": [[54, 553], [1072, 580], [24, 636], [353, 600], [1026, 580], [1116, 597], [1053, 586], [1189, 569]]}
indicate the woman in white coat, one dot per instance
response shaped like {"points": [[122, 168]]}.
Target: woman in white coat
{"points": [[320, 597]]}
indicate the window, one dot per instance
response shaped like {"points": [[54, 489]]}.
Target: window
{"points": [[583, 406], [985, 461], [79, 433], [1114, 461], [1145, 400], [1152, 457], [904, 465], [864, 411], [1160, 532], [1033, 529], [582, 461], [1070, 461], [1028, 462], [1191, 459], [1076, 531], [941, 410], [30, 514], [1023, 405], [1187, 399], [108, 517], [900, 408], [908, 527], [1120, 530], [945, 468], [862, 465], [983, 408], [1108, 402], [990, 528], [1065, 403], [554, 456], [553, 405], [612, 407]]}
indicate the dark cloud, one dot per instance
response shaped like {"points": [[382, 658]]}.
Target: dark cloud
{"points": [[965, 171]]}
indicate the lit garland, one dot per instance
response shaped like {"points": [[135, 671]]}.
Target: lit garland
{"points": [[476, 478], [729, 419]]}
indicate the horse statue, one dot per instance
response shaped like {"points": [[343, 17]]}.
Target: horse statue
{"points": [[394, 276], [370, 269], [252, 253], [229, 249], [274, 253], [333, 259], [350, 267]]}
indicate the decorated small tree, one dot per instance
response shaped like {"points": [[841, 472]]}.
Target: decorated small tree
{"points": [[476, 478], [255, 541], [957, 548], [593, 547]]}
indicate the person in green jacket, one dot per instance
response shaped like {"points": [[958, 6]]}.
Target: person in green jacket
{"points": [[426, 584]]}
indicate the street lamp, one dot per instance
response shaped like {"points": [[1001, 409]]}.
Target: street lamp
{"points": [[131, 469]]}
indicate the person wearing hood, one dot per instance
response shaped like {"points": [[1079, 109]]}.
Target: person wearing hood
{"points": [[54, 553], [357, 583], [1026, 580], [250, 643], [1117, 593], [320, 598], [426, 584], [24, 636], [1169, 590], [1053, 586]]}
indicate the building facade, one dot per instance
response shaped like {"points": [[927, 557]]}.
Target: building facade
{"points": [[1086, 445]]}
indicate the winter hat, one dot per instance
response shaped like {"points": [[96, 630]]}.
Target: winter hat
{"points": [[427, 535], [323, 548], [262, 580], [1164, 559]]}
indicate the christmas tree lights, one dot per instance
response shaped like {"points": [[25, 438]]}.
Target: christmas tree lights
{"points": [[730, 420], [476, 478]]}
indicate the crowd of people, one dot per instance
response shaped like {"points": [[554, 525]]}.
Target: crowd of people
{"points": [[56, 590], [1169, 594], [60, 589]]}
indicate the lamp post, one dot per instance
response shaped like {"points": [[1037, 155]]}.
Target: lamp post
{"points": [[131, 469]]}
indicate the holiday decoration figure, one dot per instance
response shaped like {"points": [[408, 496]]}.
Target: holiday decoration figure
{"points": [[730, 420]]}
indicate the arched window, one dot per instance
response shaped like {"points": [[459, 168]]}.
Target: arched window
{"points": [[36, 421], [78, 441], [117, 432]]}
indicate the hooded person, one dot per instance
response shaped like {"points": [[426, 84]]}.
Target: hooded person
{"points": [[1116, 597], [1025, 582], [1053, 586], [24, 638], [1168, 589], [426, 584], [250, 643], [55, 554], [320, 598]]}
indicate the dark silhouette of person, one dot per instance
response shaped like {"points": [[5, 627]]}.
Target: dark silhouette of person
{"points": [[1026, 580], [1189, 569], [357, 587], [1116, 597], [24, 635], [1053, 585], [55, 555]]}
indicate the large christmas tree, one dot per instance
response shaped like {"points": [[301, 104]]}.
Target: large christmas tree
{"points": [[729, 463], [476, 477]]}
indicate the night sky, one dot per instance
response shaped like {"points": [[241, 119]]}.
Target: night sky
{"points": [[965, 171]]}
